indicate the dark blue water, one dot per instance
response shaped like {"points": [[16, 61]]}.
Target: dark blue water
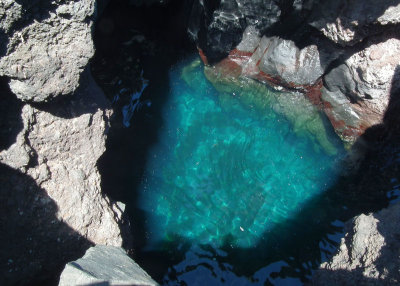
{"points": [[233, 168]]}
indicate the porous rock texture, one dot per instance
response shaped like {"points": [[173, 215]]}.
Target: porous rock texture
{"points": [[349, 22], [45, 45], [356, 93], [57, 210], [105, 264], [369, 254], [52, 208]]}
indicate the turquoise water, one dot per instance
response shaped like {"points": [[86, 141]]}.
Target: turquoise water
{"points": [[227, 170]]}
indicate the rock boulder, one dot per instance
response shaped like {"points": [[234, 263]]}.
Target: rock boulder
{"points": [[105, 265], [45, 46], [369, 254]]}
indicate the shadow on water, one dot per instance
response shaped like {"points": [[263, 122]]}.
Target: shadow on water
{"points": [[381, 144], [362, 186], [35, 244], [147, 39], [310, 237]]}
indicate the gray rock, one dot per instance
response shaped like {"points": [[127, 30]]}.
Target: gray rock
{"points": [[105, 265], [358, 91], [46, 50], [283, 59], [369, 254], [218, 28], [348, 22], [250, 40], [58, 147]]}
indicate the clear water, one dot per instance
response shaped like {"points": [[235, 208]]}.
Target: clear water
{"points": [[229, 171]]}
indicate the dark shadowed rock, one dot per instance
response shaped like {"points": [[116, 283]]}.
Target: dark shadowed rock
{"points": [[218, 28], [348, 22]]}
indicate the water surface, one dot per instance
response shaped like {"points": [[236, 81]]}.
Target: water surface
{"points": [[232, 170]]}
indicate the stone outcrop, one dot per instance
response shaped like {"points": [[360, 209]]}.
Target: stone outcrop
{"points": [[369, 254], [45, 46], [218, 28], [105, 265], [57, 149], [349, 22], [352, 85], [356, 93], [51, 139]]}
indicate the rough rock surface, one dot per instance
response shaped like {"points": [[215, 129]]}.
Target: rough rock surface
{"points": [[59, 149], [275, 60], [45, 46], [106, 265], [52, 208], [218, 27], [348, 22], [357, 92], [56, 151], [369, 254]]}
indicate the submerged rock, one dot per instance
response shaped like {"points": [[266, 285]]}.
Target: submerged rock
{"points": [[300, 112], [368, 254], [105, 265]]}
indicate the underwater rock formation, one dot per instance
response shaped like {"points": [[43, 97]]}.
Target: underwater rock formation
{"points": [[368, 254]]}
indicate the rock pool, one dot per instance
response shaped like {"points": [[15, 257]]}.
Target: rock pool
{"points": [[231, 169]]}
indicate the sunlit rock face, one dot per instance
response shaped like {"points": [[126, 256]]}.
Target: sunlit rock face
{"points": [[368, 254], [45, 46], [105, 265], [347, 58], [349, 22], [217, 26], [356, 94], [233, 161]]}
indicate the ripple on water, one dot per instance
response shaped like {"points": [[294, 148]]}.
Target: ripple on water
{"points": [[232, 163]]}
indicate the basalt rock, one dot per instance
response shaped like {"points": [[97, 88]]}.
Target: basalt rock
{"points": [[57, 150], [105, 265], [45, 46], [349, 22], [368, 254], [356, 93], [52, 207], [218, 27]]}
